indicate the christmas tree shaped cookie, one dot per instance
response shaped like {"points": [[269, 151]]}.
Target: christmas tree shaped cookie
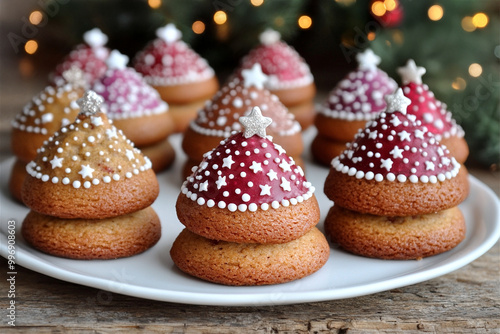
{"points": [[289, 76], [219, 118], [249, 213], [431, 112], [396, 189], [90, 190], [183, 78], [137, 110], [89, 57], [358, 98], [52, 108]]}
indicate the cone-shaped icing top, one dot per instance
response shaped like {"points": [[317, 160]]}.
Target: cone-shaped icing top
{"points": [[247, 171], [430, 111], [88, 152], [284, 66], [220, 115], [168, 61], [395, 146], [125, 93], [360, 95], [89, 57], [53, 107]]}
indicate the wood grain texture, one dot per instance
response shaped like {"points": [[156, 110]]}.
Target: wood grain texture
{"points": [[464, 301]]}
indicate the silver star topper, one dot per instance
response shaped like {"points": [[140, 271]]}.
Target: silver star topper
{"points": [[397, 102], [411, 73], [255, 123], [368, 60], [254, 76], [169, 33], [89, 103], [269, 36], [75, 76], [95, 38]]}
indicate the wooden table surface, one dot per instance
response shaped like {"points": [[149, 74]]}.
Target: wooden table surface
{"points": [[464, 301]]}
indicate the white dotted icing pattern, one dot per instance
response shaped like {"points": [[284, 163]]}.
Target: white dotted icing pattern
{"points": [[51, 109], [90, 60], [87, 153], [168, 64], [359, 96], [396, 147], [247, 174], [127, 95], [220, 115], [284, 66], [431, 112]]}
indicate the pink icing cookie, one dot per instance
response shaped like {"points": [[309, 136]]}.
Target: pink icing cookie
{"points": [[169, 61], [284, 66], [360, 95]]}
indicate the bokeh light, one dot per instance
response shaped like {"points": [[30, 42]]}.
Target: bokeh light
{"points": [[475, 70], [220, 17], [305, 22], [31, 46], [198, 27], [435, 12]]}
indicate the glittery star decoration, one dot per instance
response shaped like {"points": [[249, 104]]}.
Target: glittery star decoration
{"points": [[117, 60], [95, 38], [90, 102], [169, 33], [368, 60], [254, 77], [75, 76], [397, 102], [411, 73], [269, 36], [255, 123]]}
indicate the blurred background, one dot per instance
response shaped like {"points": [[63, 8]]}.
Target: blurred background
{"points": [[457, 41]]}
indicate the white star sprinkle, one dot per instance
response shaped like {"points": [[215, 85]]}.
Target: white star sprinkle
{"points": [[254, 77], [403, 135], [86, 171], [280, 149], [117, 60], [255, 123], [397, 102], [373, 134], [272, 175], [429, 165], [397, 152], [95, 38], [56, 162], [204, 186], [221, 181], [411, 73], [269, 36], [395, 120], [75, 76], [169, 33], [419, 134], [256, 167], [386, 163], [227, 162], [285, 184], [265, 189], [368, 60], [129, 154], [96, 121], [111, 133], [90, 102], [285, 166]]}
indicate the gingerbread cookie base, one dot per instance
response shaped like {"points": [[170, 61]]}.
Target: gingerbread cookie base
{"points": [[395, 238], [82, 239], [324, 149], [16, 180], [338, 129], [161, 154], [458, 148], [249, 264], [394, 198], [279, 225], [146, 130], [100, 201]]}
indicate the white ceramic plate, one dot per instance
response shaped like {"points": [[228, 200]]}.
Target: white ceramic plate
{"points": [[152, 275]]}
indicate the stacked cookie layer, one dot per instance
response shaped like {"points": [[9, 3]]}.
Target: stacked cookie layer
{"points": [[249, 213], [396, 190], [90, 190]]}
